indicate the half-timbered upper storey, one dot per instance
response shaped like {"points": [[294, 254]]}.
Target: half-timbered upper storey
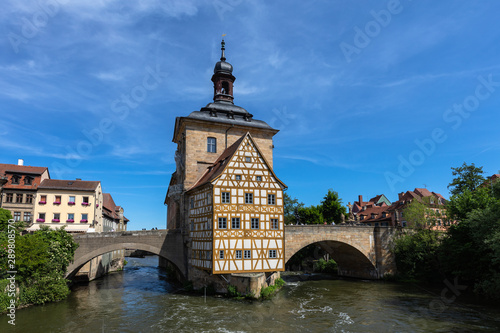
{"points": [[236, 213]]}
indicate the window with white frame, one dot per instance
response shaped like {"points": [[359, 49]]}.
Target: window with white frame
{"points": [[19, 198], [235, 223], [271, 199], [274, 224], [249, 198], [222, 223], [226, 197], [17, 216], [85, 218], [255, 223], [211, 145], [247, 254], [272, 253], [238, 254]]}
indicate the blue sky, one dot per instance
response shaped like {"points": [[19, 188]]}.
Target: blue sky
{"points": [[370, 97]]}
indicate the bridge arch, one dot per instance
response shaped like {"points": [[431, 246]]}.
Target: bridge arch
{"points": [[350, 260], [353, 248], [82, 260], [161, 243]]}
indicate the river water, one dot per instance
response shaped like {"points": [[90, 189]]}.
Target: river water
{"points": [[140, 299]]}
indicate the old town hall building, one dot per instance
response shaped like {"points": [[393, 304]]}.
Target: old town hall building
{"points": [[224, 194]]}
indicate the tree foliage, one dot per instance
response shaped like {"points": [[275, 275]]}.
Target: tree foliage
{"points": [[310, 215], [467, 177], [290, 207], [469, 251], [41, 260], [332, 208], [420, 213]]}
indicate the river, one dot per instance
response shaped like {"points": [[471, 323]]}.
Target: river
{"points": [[140, 299]]}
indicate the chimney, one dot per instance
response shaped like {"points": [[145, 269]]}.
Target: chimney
{"points": [[360, 198], [78, 179], [20, 161], [400, 195]]}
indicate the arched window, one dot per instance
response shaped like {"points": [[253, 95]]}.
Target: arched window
{"points": [[211, 145]]}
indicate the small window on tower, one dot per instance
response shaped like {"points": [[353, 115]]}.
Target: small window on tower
{"points": [[225, 87], [211, 145]]}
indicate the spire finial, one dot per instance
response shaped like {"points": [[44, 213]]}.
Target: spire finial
{"points": [[223, 47]]}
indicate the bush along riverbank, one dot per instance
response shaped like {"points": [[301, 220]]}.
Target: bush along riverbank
{"points": [[32, 266]]}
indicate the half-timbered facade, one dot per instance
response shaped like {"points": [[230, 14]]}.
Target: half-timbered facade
{"points": [[236, 213]]}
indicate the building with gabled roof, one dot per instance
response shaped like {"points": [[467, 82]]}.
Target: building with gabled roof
{"points": [[236, 213], [18, 186], [436, 203]]}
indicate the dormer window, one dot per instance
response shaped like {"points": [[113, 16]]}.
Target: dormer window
{"points": [[28, 180], [15, 179], [211, 145], [361, 217], [373, 216], [384, 214]]}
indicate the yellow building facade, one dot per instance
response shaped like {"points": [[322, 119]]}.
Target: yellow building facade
{"points": [[75, 204]]}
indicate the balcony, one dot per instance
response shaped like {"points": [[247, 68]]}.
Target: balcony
{"points": [[57, 202], [40, 220], [71, 203], [56, 220], [70, 220], [83, 221], [85, 204], [42, 202]]}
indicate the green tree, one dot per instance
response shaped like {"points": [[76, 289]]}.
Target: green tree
{"points": [[5, 216], [332, 208], [290, 207], [417, 255], [420, 213], [471, 249], [310, 215], [461, 204], [467, 177]]}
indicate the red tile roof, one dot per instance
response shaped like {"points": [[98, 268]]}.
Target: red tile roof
{"points": [[8, 170], [110, 208], [75, 185], [24, 169]]}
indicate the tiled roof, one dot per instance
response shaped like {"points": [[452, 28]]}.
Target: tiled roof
{"points": [[8, 170], [76, 185], [14, 168], [110, 208], [378, 211]]}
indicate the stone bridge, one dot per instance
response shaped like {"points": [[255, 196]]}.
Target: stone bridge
{"points": [[360, 251], [167, 244]]}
